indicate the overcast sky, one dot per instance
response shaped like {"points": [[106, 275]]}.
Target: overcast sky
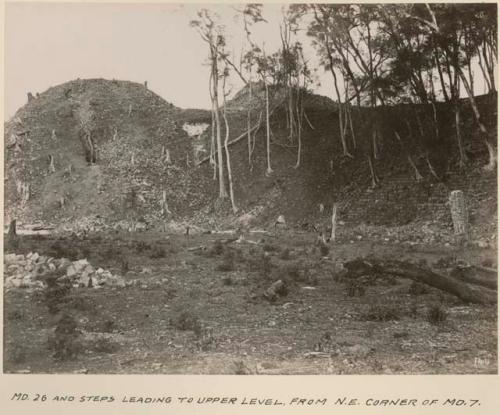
{"points": [[49, 44]]}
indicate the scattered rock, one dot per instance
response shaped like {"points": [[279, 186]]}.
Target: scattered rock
{"points": [[30, 271], [278, 288]]}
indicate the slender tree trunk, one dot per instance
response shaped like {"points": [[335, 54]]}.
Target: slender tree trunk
{"points": [[222, 187], [418, 176], [339, 101], [483, 70], [463, 157], [349, 113], [334, 222], [300, 113], [268, 132], [228, 160], [249, 121], [374, 176], [491, 150]]}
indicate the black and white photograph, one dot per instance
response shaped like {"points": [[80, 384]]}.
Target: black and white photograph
{"points": [[250, 189]]}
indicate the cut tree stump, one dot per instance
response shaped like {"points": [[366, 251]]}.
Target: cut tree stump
{"points": [[463, 290]]}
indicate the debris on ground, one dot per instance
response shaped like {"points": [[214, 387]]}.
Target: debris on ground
{"points": [[29, 271]]}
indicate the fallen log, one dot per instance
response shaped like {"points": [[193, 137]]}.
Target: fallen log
{"points": [[462, 290], [472, 275]]}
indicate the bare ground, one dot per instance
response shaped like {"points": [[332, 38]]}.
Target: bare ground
{"points": [[203, 312]]}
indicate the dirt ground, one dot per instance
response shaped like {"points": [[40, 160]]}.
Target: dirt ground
{"points": [[202, 311]]}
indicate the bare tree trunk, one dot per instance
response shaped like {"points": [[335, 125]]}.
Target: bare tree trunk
{"points": [[334, 222], [52, 168], [268, 132], [376, 154], [300, 113], [491, 151], [350, 125], [483, 70], [228, 160], [249, 121], [340, 107], [418, 176], [222, 187], [463, 157], [375, 179], [441, 78]]}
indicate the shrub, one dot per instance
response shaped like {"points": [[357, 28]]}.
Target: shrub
{"points": [[382, 312], [266, 266], [216, 249], [124, 265], [269, 248], [107, 326], [56, 294], [104, 345], [186, 320], [354, 288], [240, 368], [60, 250], [18, 355], [65, 342], [142, 246], [227, 280], [285, 254], [15, 315], [227, 262], [324, 250], [436, 314], [158, 252], [417, 288]]}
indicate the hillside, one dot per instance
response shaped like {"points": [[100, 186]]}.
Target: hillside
{"points": [[412, 209], [133, 126]]}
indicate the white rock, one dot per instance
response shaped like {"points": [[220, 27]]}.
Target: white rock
{"points": [[10, 258], [71, 271], [281, 220]]}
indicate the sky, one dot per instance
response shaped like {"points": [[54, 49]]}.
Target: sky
{"points": [[49, 44]]}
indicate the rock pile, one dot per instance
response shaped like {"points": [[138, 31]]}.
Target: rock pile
{"points": [[28, 271]]}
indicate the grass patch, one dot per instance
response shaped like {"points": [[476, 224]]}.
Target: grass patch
{"points": [[382, 312], [436, 314], [103, 345], [186, 320], [65, 342], [158, 252], [417, 288], [228, 262], [285, 254]]}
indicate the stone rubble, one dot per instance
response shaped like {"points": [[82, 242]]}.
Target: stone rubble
{"points": [[28, 271]]}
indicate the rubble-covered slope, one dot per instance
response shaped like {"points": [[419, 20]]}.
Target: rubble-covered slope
{"points": [[132, 128]]}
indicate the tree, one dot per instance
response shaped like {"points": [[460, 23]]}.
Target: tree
{"points": [[445, 24], [212, 35]]}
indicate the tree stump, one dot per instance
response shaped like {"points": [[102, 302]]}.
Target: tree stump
{"points": [[30, 97], [459, 215], [52, 168], [12, 238], [12, 229], [334, 222]]}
